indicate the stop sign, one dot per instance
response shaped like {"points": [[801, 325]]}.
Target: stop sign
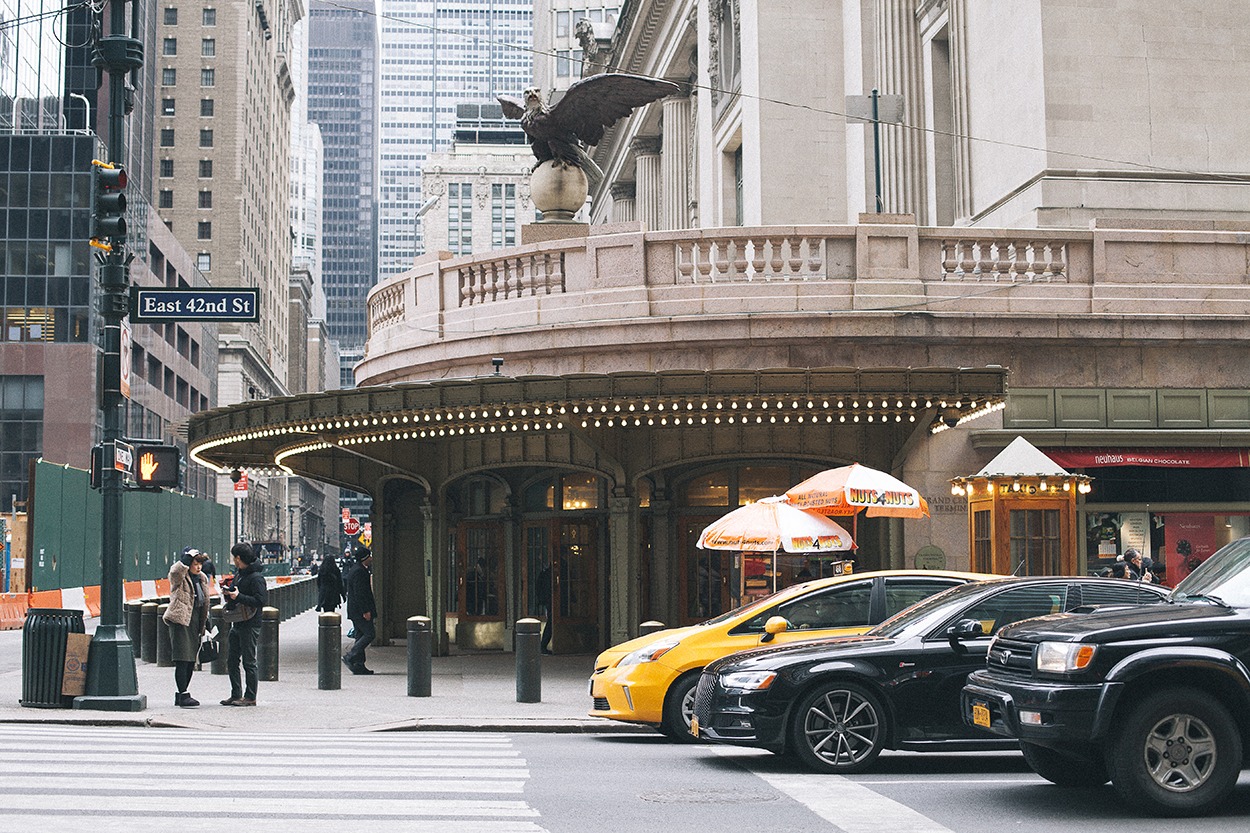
{"points": [[351, 526]]}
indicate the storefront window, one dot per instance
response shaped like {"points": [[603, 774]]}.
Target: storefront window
{"points": [[1175, 542], [580, 491], [709, 489], [540, 496], [758, 482]]}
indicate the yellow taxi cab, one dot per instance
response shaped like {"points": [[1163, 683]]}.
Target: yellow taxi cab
{"points": [[652, 679]]}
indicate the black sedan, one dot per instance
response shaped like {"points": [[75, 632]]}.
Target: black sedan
{"points": [[836, 703]]}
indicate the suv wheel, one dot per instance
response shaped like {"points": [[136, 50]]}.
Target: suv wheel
{"points": [[1178, 753], [679, 708], [1064, 768], [839, 727]]}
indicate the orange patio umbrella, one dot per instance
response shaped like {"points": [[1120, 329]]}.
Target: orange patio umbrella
{"points": [[772, 524], [852, 489]]}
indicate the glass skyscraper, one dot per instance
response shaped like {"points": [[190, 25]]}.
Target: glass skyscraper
{"points": [[343, 102], [437, 54]]}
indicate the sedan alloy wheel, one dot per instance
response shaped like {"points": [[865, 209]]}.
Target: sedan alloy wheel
{"points": [[839, 727]]}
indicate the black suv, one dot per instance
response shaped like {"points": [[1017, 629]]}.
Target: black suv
{"points": [[1157, 699]]}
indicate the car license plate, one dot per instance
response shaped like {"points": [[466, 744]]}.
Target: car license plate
{"points": [[694, 726], [981, 715]]}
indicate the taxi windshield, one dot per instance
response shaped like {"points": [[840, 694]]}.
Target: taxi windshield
{"points": [[1223, 579]]}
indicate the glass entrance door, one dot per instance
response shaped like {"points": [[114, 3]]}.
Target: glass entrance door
{"points": [[709, 577], [562, 569]]}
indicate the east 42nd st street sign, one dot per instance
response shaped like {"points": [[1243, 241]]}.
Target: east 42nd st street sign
{"points": [[155, 305]]}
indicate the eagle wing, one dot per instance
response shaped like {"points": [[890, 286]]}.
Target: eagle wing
{"points": [[513, 108], [596, 103]]}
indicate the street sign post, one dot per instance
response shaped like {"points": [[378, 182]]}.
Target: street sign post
{"points": [[154, 305]]}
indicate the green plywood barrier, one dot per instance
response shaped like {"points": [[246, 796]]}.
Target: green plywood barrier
{"points": [[66, 529]]}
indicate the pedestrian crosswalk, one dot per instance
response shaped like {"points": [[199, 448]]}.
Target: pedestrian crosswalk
{"points": [[111, 779]]}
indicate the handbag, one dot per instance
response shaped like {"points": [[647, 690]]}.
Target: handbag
{"points": [[208, 649], [238, 613]]}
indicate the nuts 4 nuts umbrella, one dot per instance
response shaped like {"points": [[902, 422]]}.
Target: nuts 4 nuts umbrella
{"points": [[852, 489], [771, 525]]}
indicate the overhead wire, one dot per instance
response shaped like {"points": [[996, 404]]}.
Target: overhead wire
{"points": [[37, 16]]}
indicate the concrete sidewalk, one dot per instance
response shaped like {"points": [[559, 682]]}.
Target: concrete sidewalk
{"points": [[468, 691]]}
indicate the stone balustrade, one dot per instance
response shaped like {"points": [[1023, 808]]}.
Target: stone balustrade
{"points": [[446, 307]]}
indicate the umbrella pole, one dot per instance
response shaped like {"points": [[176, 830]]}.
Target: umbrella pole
{"points": [[774, 571]]}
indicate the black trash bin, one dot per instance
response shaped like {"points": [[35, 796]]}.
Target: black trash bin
{"points": [[43, 655]]}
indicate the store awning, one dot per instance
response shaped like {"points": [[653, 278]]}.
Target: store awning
{"points": [[1178, 458]]}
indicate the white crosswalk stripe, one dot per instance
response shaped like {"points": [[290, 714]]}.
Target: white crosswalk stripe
{"points": [[114, 779]]}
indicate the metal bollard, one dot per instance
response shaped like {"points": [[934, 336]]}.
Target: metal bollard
{"points": [[649, 627], [147, 632], [218, 666], [329, 644], [420, 663], [267, 650], [164, 649], [134, 626], [529, 670]]}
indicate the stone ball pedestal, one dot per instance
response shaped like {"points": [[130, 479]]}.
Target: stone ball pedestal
{"points": [[558, 191]]}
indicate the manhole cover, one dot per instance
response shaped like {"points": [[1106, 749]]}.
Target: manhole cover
{"points": [[707, 797]]}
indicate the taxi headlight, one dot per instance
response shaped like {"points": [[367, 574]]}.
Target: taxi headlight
{"points": [[650, 653], [1063, 657], [748, 680]]}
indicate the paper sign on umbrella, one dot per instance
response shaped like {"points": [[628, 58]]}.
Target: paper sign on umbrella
{"points": [[852, 489]]}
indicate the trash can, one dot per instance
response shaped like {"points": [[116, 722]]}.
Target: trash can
{"points": [[43, 655]]}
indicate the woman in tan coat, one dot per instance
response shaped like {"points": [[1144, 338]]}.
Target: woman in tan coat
{"points": [[187, 617]]}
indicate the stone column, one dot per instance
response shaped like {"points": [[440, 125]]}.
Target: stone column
{"points": [[624, 209], [676, 136], [647, 181], [623, 608], [900, 72], [957, 26], [665, 564]]}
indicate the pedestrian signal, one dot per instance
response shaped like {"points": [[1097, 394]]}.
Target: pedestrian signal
{"points": [[157, 466]]}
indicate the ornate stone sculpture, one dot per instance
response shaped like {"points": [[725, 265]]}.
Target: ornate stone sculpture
{"points": [[559, 135]]}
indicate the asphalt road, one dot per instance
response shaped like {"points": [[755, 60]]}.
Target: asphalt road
{"points": [[110, 779], [641, 784]]}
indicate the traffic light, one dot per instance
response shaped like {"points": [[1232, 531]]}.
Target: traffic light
{"points": [[158, 466], [108, 204]]}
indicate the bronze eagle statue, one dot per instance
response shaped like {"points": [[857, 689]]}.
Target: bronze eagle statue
{"points": [[579, 119]]}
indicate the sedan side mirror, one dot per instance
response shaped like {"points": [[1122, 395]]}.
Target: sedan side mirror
{"points": [[965, 629], [774, 626]]}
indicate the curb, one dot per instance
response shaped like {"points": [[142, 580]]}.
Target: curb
{"points": [[420, 724]]}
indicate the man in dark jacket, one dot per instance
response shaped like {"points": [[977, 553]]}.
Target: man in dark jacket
{"points": [[246, 592], [361, 609]]}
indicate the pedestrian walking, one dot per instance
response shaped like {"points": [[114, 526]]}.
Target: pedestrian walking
{"points": [[187, 617], [361, 609], [245, 595], [330, 591]]}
